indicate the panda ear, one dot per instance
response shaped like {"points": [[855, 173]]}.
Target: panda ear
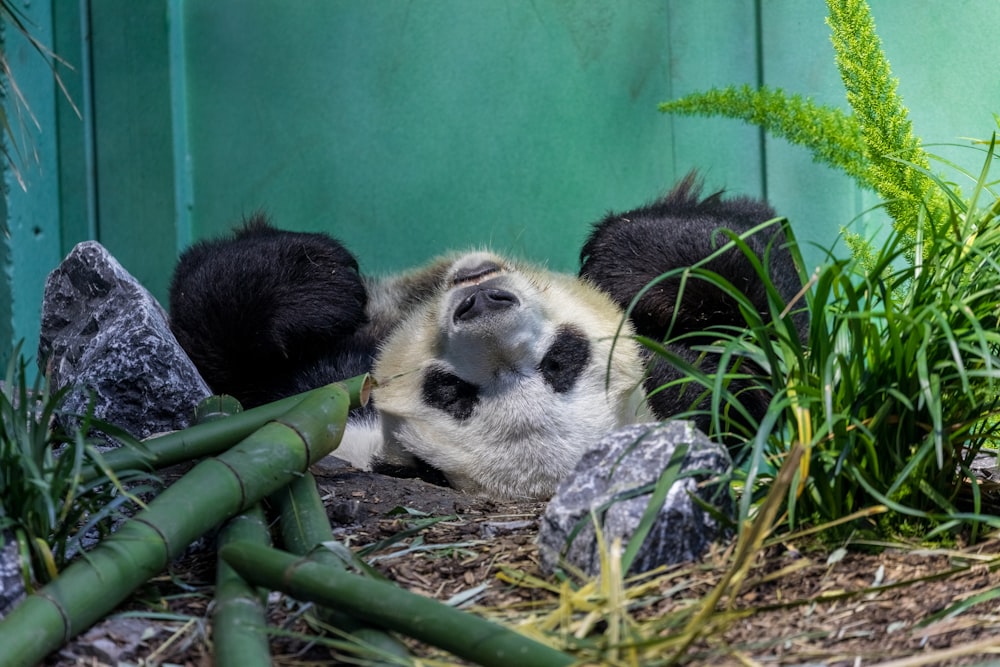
{"points": [[627, 251]]}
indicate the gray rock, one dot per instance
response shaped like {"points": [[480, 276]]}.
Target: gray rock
{"points": [[11, 582], [605, 483], [104, 333]]}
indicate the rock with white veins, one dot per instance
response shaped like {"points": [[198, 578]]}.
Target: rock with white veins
{"points": [[615, 482], [104, 335]]}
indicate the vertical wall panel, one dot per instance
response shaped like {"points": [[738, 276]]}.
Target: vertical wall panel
{"points": [[946, 57], [134, 150], [713, 43], [73, 124], [797, 57], [31, 214]]}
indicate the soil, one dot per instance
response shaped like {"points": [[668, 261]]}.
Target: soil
{"points": [[868, 605]]}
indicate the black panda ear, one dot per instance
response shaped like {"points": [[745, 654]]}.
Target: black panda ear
{"points": [[627, 251]]}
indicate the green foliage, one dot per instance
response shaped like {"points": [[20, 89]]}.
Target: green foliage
{"points": [[44, 502], [833, 136], [875, 144], [893, 389]]}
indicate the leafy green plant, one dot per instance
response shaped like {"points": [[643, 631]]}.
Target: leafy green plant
{"points": [[874, 144], [44, 501], [894, 388]]}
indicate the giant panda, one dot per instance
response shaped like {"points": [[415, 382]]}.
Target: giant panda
{"points": [[492, 375]]}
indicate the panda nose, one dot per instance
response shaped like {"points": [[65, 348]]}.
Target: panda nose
{"points": [[484, 300]]}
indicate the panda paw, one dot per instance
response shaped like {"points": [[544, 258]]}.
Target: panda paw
{"points": [[254, 309], [627, 251]]}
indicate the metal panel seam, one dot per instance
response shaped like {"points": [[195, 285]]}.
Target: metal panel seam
{"points": [[178, 104]]}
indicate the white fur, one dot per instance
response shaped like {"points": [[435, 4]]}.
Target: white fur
{"points": [[522, 437]]}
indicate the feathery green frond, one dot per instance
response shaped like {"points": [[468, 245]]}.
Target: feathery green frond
{"points": [[891, 149], [833, 137]]}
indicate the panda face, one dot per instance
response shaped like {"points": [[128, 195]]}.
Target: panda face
{"points": [[501, 379]]}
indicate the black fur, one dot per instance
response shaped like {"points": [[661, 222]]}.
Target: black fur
{"points": [[565, 359], [627, 251], [450, 394], [265, 312]]}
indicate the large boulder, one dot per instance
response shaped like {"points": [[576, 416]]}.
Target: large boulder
{"points": [[614, 482], [104, 335]]}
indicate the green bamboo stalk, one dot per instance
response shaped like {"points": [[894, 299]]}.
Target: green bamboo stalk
{"points": [[216, 406], [212, 437], [304, 527], [238, 620], [214, 490], [392, 607]]}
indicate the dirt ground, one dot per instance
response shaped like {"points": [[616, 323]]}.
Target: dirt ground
{"points": [[799, 605]]}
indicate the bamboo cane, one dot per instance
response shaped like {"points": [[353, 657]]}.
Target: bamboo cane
{"points": [[212, 437], [239, 632], [389, 606], [214, 490], [304, 527]]}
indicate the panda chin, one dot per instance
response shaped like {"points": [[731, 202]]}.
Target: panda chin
{"points": [[502, 354]]}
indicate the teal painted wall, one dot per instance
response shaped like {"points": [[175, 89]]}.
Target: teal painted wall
{"points": [[410, 128], [407, 128], [30, 229]]}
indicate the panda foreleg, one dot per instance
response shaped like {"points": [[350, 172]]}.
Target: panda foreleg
{"points": [[628, 251]]}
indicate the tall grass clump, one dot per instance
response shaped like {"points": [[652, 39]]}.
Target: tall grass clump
{"points": [[45, 504], [892, 385], [905, 364]]}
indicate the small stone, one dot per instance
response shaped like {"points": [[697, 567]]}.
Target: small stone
{"points": [[12, 589], [606, 481], [103, 334]]}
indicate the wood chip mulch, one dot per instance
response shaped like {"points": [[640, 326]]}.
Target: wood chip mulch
{"points": [[862, 606]]}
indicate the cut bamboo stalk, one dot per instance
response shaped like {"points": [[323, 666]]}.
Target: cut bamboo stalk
{"points": [[214, 490], [239, 620], [304, 527], [211, 437], [380, 603]]}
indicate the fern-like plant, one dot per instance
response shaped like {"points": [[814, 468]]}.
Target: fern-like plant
{"points": [[874, 144]]}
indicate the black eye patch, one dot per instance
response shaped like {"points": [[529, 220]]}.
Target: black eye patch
{"points": [[565, 360], [450, 393]]}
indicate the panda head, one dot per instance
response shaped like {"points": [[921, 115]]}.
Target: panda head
{"points": [[501, 379]]}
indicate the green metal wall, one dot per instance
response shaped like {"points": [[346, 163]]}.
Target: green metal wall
{"points": [[407, 128]]}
